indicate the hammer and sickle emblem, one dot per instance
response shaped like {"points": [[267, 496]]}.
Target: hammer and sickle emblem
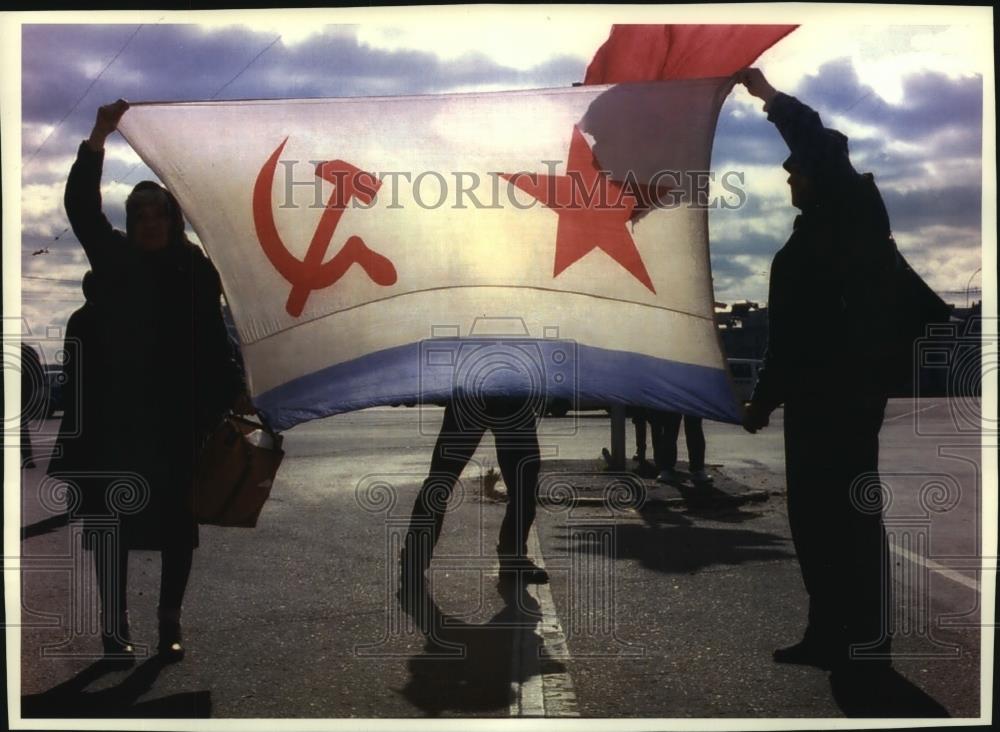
{"points": [[311, 273]]}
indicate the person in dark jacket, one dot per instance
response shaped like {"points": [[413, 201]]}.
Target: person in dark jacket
{"points": [[159, 374], [71, 454], [33, 399], [830, 304]]}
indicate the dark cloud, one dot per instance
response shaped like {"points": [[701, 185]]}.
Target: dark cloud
{"points": [[59, 62], [747, 139], [180, 62], [939, 118], [932, 102], [750, 244], [957, 206], [754, 204], [739, 280], [937, 121], [728, 267]]}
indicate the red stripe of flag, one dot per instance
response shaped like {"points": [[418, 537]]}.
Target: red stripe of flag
{"points": [[658, 52]]}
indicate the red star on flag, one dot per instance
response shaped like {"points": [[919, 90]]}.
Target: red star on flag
{"points": [[593, 210]]}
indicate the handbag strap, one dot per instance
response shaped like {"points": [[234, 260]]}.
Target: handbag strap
{"points": [[257, 425]]}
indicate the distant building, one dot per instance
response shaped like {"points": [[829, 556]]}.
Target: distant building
{"points": [[946, 361], [743, 329]]}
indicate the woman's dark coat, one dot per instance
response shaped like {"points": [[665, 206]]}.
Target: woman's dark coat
{"points": [[154, 372]]}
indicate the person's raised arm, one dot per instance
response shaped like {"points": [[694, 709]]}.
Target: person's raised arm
{"points": [[822, 152], [758, 86], [83, 187]]}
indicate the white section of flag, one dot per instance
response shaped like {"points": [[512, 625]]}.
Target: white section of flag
{"points": [[452, 264]]}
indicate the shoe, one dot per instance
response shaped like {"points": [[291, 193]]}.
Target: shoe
{"points": [[808, 653], [118, 649], [700, 477], [117, 654], [523, 568], [667, 475], [170, 647], [639, 457]]}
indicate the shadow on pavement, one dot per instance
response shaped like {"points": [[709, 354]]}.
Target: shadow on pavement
{"points": [[669, 541], [467, 668], [45, 526], [572, 483], [71, 700], [882, 693]]}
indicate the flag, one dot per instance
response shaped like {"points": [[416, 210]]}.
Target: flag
{"points": [[655, 52], [548, 244]]}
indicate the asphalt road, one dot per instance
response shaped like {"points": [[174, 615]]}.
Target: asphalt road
{"points": [[658, 607]]}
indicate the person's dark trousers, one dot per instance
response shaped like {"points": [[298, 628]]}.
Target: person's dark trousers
{"points": [[835, 516], [513, 425], [175, 571], [666, 428], [111, 568], [640, 436], [664, 451]]}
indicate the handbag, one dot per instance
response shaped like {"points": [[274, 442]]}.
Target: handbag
{"points": [[235, 472]]}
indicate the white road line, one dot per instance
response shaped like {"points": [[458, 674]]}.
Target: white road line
{"points": [[542, 693], [935, 567], [911, 413]]}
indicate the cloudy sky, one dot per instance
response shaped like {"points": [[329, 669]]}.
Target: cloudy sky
{"points": [[910, 97]]}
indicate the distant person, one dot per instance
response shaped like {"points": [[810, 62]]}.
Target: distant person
{"points": [[158, 375], [666, 429], [72, 455], [513, 423], [829, 308], [639, 421], [32, 396]]}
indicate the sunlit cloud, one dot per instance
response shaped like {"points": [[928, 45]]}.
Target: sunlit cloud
{"points": [[909, 98]]}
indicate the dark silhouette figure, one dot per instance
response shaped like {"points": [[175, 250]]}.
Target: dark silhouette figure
{"points": [[830, 305], [639, 420], [80, 384], [666, 428], [33, 399], [512, 422], [157, 374]]}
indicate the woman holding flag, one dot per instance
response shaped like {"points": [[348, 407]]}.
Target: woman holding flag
{"points": [[162, 374]]}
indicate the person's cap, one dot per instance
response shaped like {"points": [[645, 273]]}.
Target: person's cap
{"points": [[146, 192], [807, 162]]}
